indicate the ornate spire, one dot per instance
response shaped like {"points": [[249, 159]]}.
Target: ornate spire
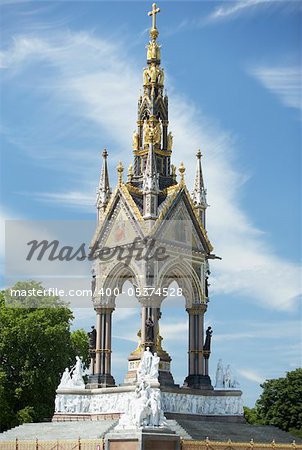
{"points": [[104, 191], [199, 192], [152, 123]]}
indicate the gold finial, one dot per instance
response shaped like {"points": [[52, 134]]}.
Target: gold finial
{"points": [[199, 154], [153, 31], [120, 170], [130, 172], [182, 170]]}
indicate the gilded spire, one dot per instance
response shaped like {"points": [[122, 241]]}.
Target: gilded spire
{"points": [[152, 121], [104, 191]]}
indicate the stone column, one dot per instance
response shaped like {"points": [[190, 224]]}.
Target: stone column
{"points": [[108, 350], [197, 378], [98, 341], [102, 375]]}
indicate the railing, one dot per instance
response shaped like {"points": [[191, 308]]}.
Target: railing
{"points": [[98, 444], [229, 445], [66, 444]]}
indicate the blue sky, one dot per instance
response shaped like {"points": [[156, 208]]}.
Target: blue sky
{"points": [[70, 78]]}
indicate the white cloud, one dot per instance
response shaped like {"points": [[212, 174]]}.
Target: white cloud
{"points": [[283, 81], [233, 9], [265, 331], [251, 375], [99, 83], [70, 198]]}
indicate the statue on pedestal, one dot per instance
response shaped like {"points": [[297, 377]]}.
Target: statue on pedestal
{"points": [[145, 408]]}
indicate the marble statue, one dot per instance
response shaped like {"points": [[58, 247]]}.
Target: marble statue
{"points": [[227, 379], [65, 380], [77, 373], [148, 366], [235, 384], [154, 367], [219, 375], [144, 408]]}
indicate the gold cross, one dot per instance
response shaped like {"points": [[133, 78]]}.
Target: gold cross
{"points": [[153, 14]]}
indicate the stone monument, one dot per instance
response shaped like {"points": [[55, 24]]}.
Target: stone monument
{"points": [[150, 232]]}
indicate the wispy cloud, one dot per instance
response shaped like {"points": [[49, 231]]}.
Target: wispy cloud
{"points": [[283, 81], [233, 9], [71, 198], [98, 83]]}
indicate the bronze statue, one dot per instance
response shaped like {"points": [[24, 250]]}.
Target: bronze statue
{"points": [[207, 343], [92, 338], [149, 330]]}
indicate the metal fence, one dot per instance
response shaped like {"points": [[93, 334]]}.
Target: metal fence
{"points": [[212, 445], [78, 444], [98, 444]]}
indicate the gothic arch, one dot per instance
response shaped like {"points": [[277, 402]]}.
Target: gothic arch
{"points": [[186, 278], [115, 280]]}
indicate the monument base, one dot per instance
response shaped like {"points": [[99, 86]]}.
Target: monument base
{"points": [[198, 382], [143, 439], [111, 402]]}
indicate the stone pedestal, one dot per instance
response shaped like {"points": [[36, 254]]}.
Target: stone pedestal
{"points": [[143, 439], [202, 382], [100, 380], [165, 377]]}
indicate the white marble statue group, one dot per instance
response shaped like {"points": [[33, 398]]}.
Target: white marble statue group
{"points": [[73, 378], [224, 378], [145, 407], [148, 366]]}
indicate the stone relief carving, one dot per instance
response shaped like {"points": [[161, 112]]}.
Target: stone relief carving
{"points": [[170, 402]]}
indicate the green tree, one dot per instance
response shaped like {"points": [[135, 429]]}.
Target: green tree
{"points": [[250, 415], [80, 345], [280, 403], [35, 347]]}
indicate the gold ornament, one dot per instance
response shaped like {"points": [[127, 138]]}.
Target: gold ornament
{"points": [[120, 170]]}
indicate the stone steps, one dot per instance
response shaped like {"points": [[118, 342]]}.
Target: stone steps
{"points": [[237, 432], [59, 430], [178, 429]]}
